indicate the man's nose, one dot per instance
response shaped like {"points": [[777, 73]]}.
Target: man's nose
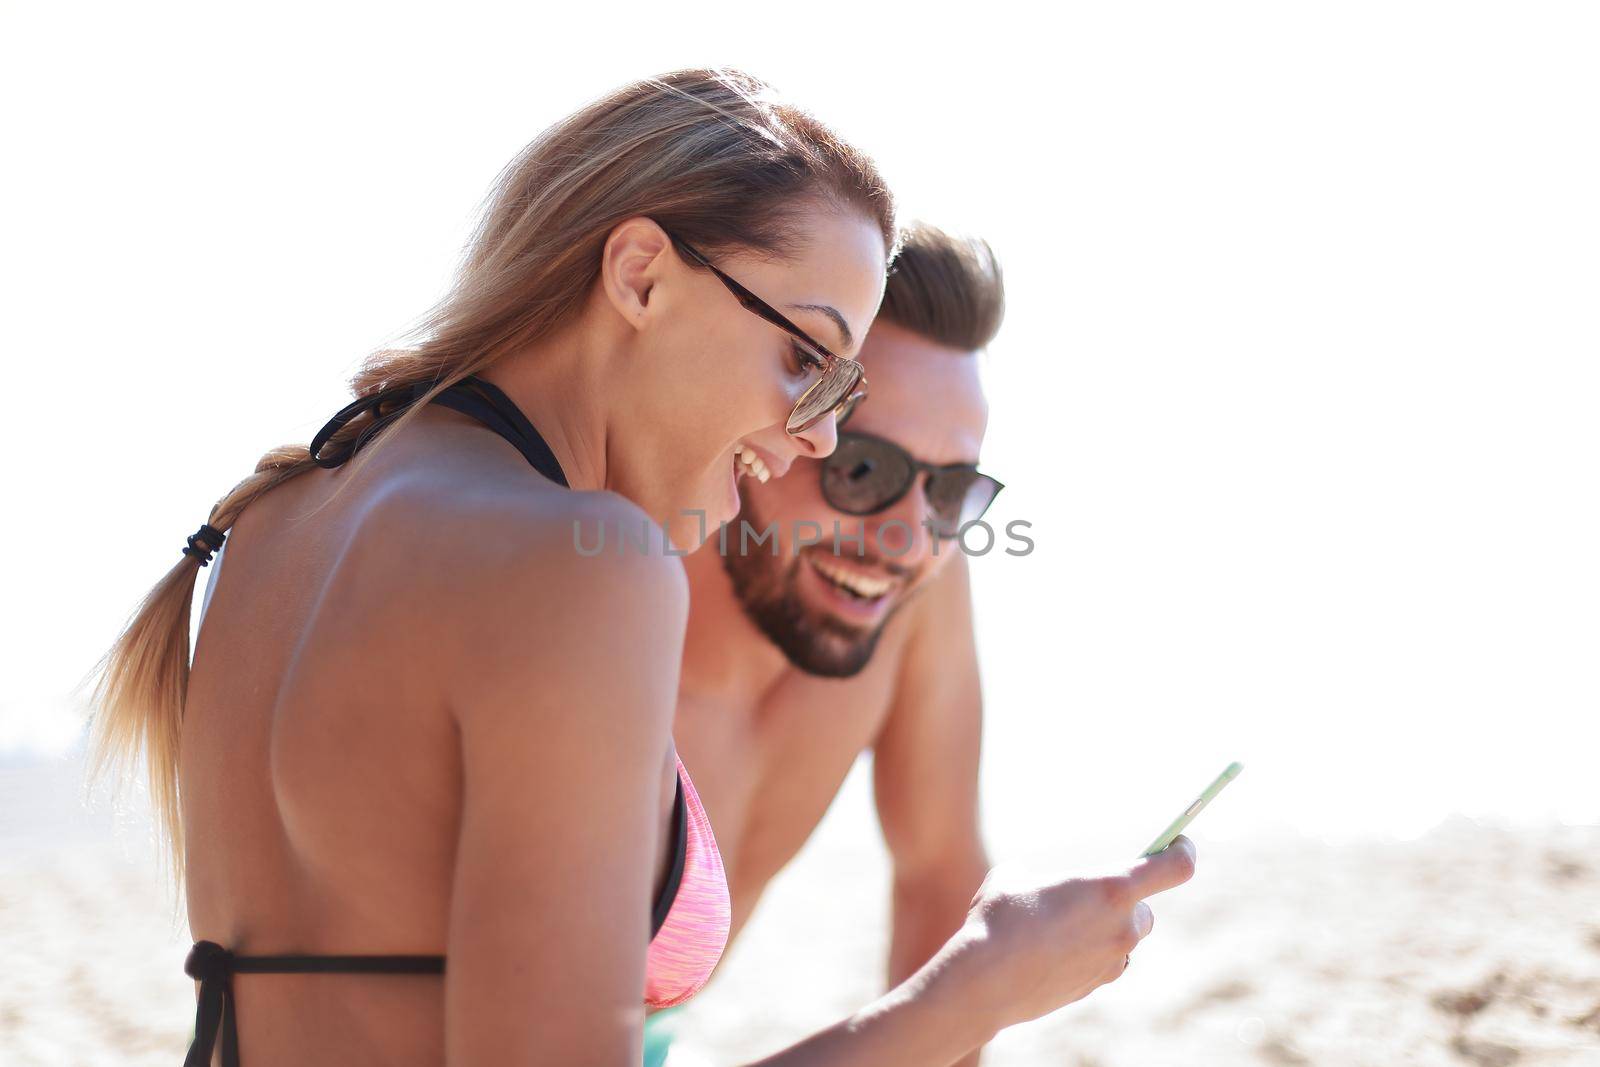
{"points": [[899, 533]]}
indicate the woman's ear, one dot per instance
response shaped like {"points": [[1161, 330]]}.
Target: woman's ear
{"points": [[630, 266]]}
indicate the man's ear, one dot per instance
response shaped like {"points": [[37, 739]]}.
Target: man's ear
{"points": [[630, 266]]}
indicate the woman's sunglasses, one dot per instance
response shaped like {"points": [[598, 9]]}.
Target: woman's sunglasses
{"points": [[867, 474], [842, 385]]}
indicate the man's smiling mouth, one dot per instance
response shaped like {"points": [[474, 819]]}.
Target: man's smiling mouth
{"points": [[855, 584]]}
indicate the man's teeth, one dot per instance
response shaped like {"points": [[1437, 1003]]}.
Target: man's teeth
{"points": [[860, 584], [747, 462]]}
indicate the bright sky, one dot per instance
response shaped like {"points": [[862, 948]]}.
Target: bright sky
{"points": [[1298, 383]]}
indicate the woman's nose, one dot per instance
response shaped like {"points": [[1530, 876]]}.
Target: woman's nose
{"points": [[820, 439]]}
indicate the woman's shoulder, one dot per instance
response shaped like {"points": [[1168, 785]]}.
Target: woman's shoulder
{"points": [[485, 571]]}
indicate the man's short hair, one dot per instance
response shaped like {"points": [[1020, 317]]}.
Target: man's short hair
{"points": [[945, 288]]}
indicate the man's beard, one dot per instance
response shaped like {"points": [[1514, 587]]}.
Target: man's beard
{"points": [[812, 640]]}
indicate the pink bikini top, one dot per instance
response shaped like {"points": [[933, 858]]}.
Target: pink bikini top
{"points": [[688, 944], [690, 919]]}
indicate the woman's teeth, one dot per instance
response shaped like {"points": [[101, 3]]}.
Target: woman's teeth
{"points": [[746, 461], [858, 584]]}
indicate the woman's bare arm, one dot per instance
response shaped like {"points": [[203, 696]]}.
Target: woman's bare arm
{"points": [[1023, 952], [564, 726]]}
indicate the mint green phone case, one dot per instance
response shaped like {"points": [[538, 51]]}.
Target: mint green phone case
{"points": [[1171, 833]]}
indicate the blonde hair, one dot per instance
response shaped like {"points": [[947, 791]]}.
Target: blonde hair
{"points": [[708, 154]]}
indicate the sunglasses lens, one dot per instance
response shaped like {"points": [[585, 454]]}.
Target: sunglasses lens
{"points": [[957, 497], [863, 475], [847, 406], [833, 388]]}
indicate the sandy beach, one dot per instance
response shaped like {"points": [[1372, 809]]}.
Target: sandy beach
{"points": [[1472, 945]]}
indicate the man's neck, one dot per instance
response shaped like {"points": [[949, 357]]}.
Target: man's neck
{"points": [[724, 653]]}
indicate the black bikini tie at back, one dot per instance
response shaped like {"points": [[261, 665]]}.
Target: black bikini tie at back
{"points": [[214, 967], [209, 539]]}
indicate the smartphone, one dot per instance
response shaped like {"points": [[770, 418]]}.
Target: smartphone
{"points": [[1170, 834]]}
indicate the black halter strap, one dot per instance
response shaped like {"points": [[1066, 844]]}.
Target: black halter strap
{"points": [[472, 395]]}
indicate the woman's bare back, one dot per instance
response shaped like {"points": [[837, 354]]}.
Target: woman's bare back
{"points": [[320, 765]]}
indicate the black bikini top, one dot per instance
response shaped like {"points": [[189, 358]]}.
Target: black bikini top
{"points": [[214, 966]]}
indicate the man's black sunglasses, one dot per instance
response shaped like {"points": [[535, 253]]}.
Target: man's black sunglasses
{"points": [[867, 474]]}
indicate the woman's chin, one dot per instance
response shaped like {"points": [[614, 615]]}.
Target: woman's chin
{"points": [[717, 501], [697, 523], [726, 506]]}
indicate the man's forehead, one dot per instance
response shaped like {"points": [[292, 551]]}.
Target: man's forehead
{"points": [[924, 396]]}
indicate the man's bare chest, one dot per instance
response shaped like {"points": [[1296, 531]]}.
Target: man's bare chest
{"points": [[767, 769]]}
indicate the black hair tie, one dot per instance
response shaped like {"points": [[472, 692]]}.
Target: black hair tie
{"points": [[210, 539]]}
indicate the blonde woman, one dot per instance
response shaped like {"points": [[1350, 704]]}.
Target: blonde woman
{"points": [[420, 726]]}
